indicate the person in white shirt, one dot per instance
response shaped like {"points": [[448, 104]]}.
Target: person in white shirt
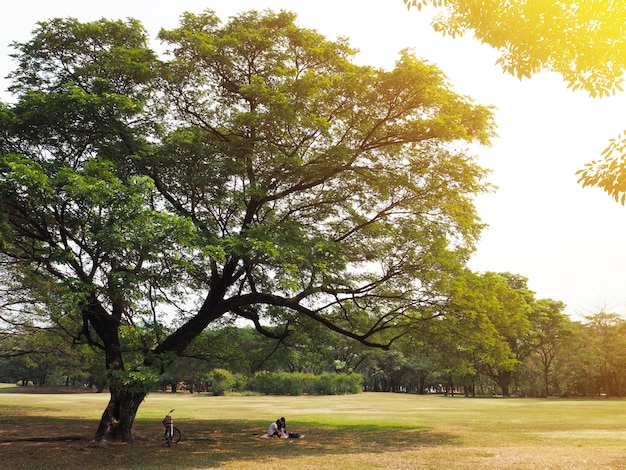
{"points": [[274, 429], [279, 429]]}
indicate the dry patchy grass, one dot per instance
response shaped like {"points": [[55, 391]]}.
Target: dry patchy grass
{"points": [[348, 432]]}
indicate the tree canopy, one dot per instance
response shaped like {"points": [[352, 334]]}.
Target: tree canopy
{"points": [[253, 172], [583, 40]]}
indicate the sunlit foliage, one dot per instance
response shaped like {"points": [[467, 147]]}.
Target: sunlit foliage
{"points": [[582, 40]]}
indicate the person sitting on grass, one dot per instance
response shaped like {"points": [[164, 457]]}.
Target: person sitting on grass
{"points": [[274, 429], [282, 429], [279, 429]]}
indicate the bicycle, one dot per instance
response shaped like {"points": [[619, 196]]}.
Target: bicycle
{"points": [[172, 433]]}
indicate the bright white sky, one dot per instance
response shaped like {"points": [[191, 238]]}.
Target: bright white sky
{"points": [[568, 241]]}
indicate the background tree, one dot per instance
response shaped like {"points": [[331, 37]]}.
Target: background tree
{"points": [[551, 331], [257, 173], [607, 332], [578, 365], [238, 349], [420, 357], [488, 325], [583, 41]]}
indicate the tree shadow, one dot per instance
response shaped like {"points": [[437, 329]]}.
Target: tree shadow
{"points": [[56, 442], [226, 441], [45, 429]]}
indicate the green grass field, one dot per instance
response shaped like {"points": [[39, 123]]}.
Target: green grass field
{"points": [[365, 431]]}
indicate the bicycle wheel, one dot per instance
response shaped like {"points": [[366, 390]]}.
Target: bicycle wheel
{"points": [[176, 435], [168, 437]]}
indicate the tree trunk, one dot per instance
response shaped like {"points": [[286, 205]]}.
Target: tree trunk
{"points": [[504, 379], [117, 420], [546, 381], [422, 384], [616, 381]]}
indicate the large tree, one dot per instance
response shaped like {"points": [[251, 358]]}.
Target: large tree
{"points": [[489, 328], [551, 331], [607, 334], [582, 40], [253, 172]]}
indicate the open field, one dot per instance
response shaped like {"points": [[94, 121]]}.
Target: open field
{"points": [[366, 431]]}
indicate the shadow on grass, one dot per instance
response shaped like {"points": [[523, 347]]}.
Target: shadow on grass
{"points": [[45, 429], [56, 443], [227, 441]]}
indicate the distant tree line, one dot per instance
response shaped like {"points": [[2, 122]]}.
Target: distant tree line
{"points": [[503, 342]]}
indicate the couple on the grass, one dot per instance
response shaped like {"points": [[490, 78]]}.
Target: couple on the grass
{"points": [[279, 429]]}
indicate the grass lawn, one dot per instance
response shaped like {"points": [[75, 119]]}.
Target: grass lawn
{"points": [[365, 431]]}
